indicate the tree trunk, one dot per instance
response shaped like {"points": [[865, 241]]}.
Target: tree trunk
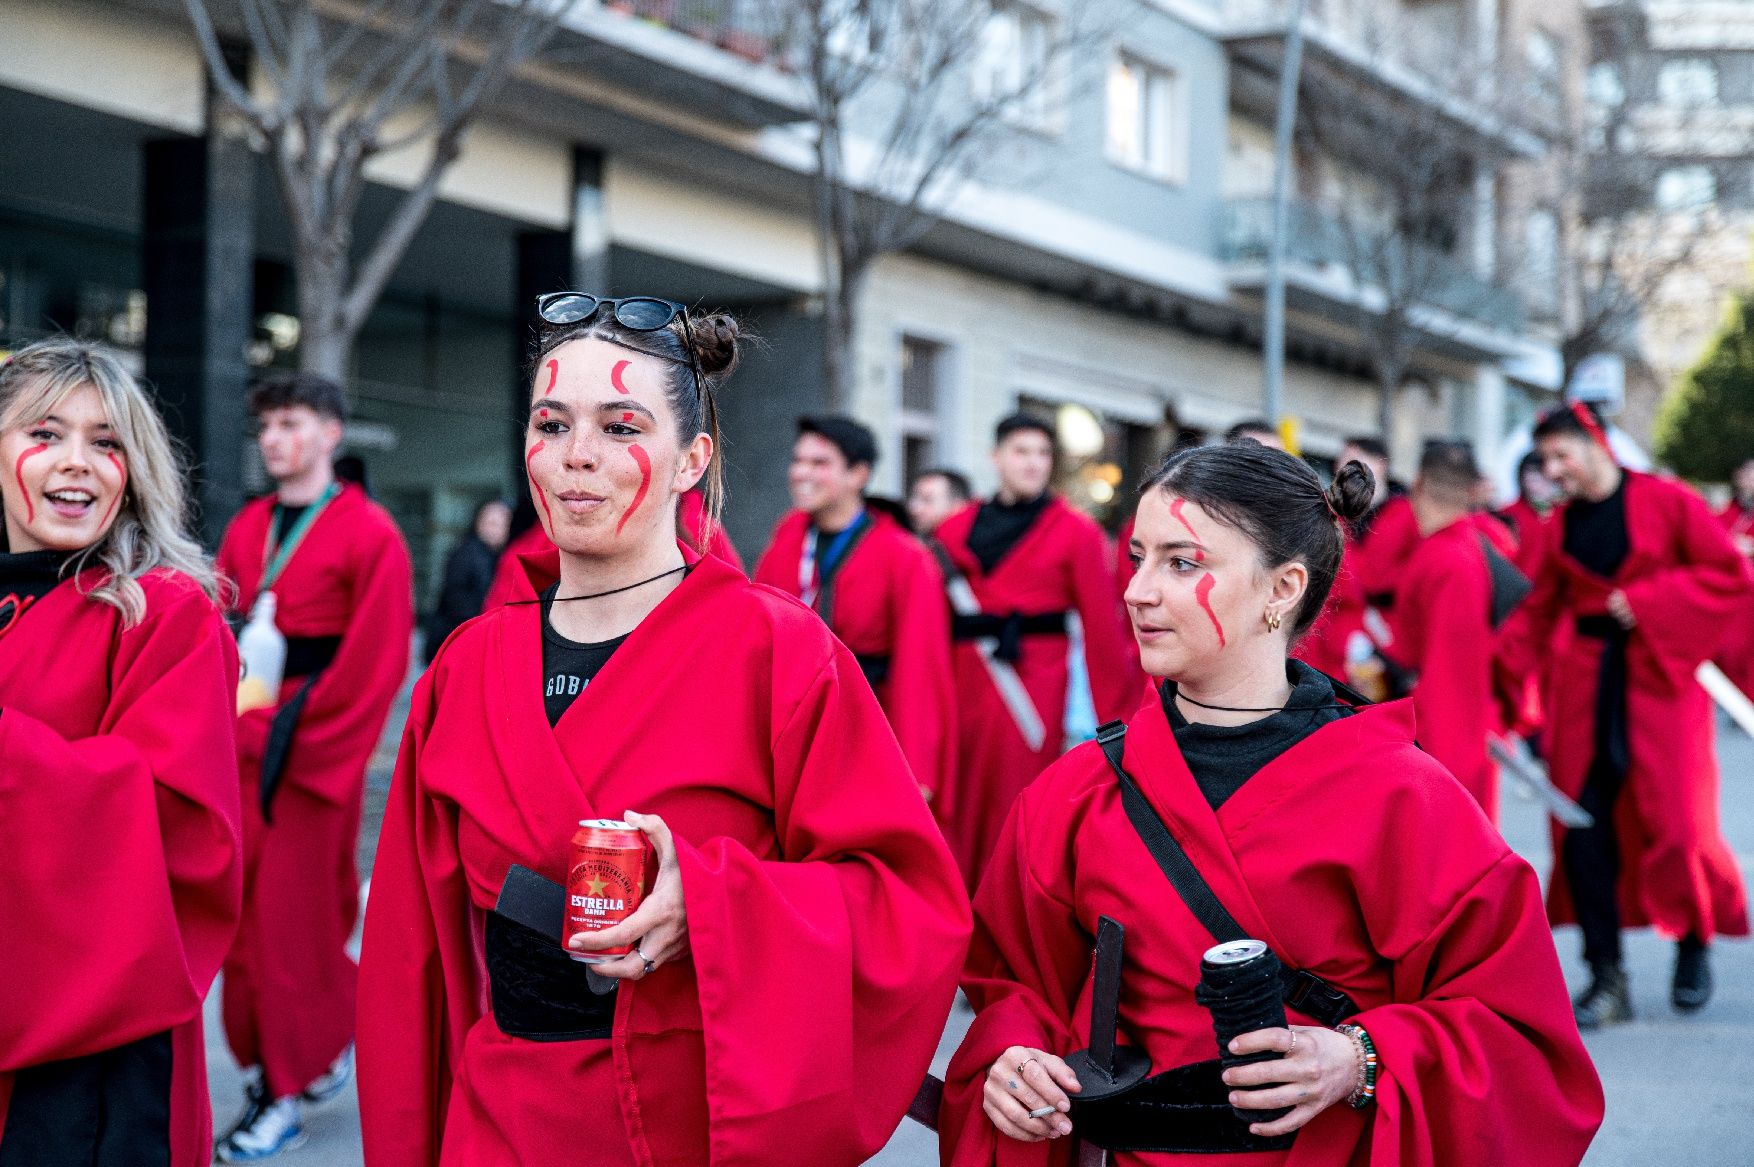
{"points": [[325, 344], [1389, 375], [840, 337]]}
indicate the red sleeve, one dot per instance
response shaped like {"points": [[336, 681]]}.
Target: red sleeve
{"points": [[1706, 584], [863, 904], [418, 992], [347, 709], [120, 857], [1484, 1044], [922, 689], [1026, 966], [1108, 655], [1443, 633]]}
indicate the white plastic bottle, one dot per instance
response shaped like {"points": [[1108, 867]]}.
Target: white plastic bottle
{"points": [[262, 652]]}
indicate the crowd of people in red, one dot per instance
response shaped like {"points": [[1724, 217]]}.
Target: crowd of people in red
{"points": [[853, 772]]}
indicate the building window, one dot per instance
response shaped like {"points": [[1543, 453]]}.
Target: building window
{"points": [[1016, 68], [1147, 120], [922, 373], [1686, 188], [1605, 87], [1541, 260], [1687, 81], [1546, 59]]}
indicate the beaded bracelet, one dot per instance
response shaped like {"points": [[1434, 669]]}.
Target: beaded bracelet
{"points": [[1365, 1092]]}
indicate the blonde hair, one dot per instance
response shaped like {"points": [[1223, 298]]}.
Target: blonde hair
{"points": [[150, 531]]}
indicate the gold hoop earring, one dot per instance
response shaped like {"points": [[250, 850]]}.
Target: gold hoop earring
{"points": [[1273, 620]]}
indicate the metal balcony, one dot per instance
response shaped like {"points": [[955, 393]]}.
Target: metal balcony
{"points": [[1335, 271]]}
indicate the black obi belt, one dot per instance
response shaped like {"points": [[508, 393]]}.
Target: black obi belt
{"points": [[1185, 1110], [539, 992]]}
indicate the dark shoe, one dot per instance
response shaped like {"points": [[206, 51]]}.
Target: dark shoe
{"points": [[1692, 987], [1608, 1000]]}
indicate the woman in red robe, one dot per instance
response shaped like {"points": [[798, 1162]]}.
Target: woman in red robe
{"points": [[1324, 832], [1640, 580], [121, 876], [1736, 653], [795, 959]]}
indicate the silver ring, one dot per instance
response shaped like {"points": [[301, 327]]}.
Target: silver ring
{"points": [[648, 969], [649, 964], [1292, 1048]]}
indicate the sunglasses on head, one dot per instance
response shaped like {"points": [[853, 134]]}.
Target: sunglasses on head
{"points": [[635, 313]]}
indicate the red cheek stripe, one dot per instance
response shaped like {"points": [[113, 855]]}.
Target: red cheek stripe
{"points": [[121, 489], [1203, 593], [553, 375], [645, 483], [615, 376], [30, 510], [537, 490]]}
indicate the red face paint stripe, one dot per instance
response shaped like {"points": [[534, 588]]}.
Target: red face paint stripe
{"points": [[121, 489], [1203, 593], [1175, 508], [553, 375], [536, 490], [615, 376], [30, 510], [627, 417], [645, 483]]}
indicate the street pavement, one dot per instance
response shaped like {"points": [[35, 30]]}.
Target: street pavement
{"points": [[1680, 1089]]}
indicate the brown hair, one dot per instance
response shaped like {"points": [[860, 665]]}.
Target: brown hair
{"points": [[1277, 501], [717, 348]]}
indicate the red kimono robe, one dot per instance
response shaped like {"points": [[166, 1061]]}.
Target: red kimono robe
{"points": [[289, 983], [1444, 633], [1526, 523], [888, 606], [121, 867], [826, 921], [1682, 579], [1352, 855], [1060, 564], [1368, 573], [509, 579], [1735, 654]]}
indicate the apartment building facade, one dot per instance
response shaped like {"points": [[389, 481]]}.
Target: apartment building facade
{"points": [[1104, 264]]}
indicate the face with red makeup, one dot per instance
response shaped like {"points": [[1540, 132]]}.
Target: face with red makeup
{"points": [[605, 457], [1200, 594], [66, 474]]}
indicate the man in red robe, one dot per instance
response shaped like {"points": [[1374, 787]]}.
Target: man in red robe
{"points": [[1736, 653], [340, 574], [934, 496], [873, 584], [1443, 621], [1640, 571], [1028, 561]]}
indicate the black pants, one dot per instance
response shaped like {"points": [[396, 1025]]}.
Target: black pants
{"points": [[1592, 864]]}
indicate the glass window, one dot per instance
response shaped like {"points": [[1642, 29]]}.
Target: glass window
{"points": [[1687, 81], [1541, 259], [922, 363], [1015, 67], [1686, 188], [1146, 119], [1605, 86]]}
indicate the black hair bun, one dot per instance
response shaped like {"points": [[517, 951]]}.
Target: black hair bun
{"points": [[716, 338], [1354, 488]]}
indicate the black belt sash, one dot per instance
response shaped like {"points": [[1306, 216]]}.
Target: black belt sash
{"points": [[539, 992], [1185, 1110], [1009, 630], [307, 657], [108, 1109], [1613, 745], [875, 667]]}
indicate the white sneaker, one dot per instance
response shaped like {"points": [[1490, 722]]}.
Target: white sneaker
{"points": [[332, 1080], [265, 1130]]}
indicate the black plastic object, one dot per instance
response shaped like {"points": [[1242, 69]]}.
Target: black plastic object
{"points": [[1240, 986], [1107, 1068], [539, 904]]}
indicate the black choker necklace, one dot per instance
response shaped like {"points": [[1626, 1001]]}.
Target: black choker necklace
{"points": [[611, 592], [1181, 696]]}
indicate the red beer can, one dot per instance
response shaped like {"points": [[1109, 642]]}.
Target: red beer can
{"points": [[604, 882]]}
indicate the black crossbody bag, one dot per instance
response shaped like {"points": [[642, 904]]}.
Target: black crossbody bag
{"points": [[1304, 991]]}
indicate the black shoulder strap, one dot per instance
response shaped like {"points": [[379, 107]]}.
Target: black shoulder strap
{"points": [[1509, 586], [1304, 991], [1188, 882]]}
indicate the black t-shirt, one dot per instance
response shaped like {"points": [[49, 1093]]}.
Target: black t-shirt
{"points": [[1595, 532], [1223, 757], [25, 578], [998, 526], [284, 519], [567, 665]]}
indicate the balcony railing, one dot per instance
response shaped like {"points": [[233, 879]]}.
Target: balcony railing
{"points": [[1363, 261], [736, 26]]}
